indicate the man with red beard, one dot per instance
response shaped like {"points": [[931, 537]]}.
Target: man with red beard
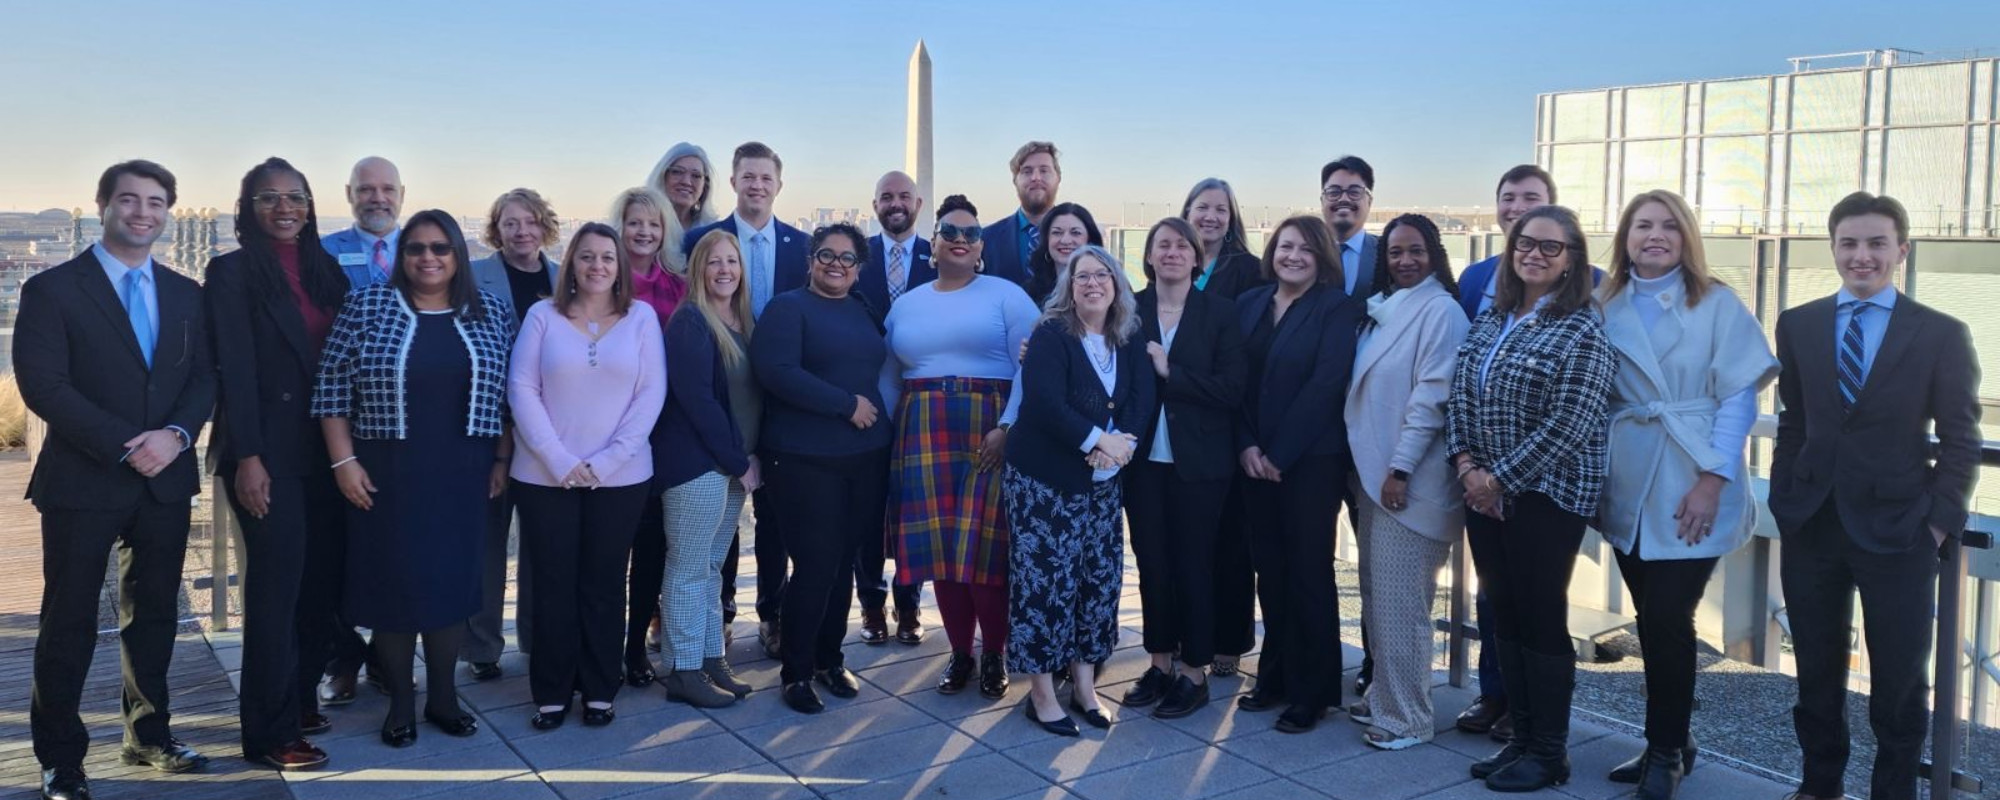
{"points": [[1037, 177]]}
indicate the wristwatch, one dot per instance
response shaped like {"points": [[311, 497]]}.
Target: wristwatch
{"points": [[1400, 475]]}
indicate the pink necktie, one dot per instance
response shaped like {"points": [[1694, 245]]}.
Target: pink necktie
{"points": [[382, 257]]}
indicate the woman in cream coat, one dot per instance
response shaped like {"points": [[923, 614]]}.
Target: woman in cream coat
{"points": [[1691, 360], [1411, 508]]}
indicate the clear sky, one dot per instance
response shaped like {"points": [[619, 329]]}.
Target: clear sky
{"points": [[578, 99]]}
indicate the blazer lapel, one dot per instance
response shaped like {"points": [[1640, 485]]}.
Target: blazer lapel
{"points": [[1301, 309], [1629, 336], [1816, 352], [293, 325], [94, 284], [1903, 329]]}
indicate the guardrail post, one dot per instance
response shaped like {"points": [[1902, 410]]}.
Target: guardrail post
{"points": [[1944, 774]]}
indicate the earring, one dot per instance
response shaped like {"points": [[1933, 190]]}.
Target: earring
{"points": [[979, 267]]}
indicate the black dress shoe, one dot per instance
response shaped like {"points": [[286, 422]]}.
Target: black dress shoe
{"points": [[1260, 700], [957, 673], [993, 675], [874, 626], [485, 670], [1480, 716], [909, 628], [1061, 727], [1185, 698], [1628, 772], [598, 717], [839, 682], [637, 677], [65, 783], [399, 736], [1149, 689], [548, 720], [1299, 719], [173, 756], [313, 723], [298, 756], [801, 697], [459, 724], [338, 691], [1094, 716]]}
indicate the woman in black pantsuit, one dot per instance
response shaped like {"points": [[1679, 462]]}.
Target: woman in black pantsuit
{"points": [[271, 305], [1175, 488], [1298, 339]]}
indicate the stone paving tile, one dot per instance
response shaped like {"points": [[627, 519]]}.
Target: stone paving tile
{"points": [[428, 774], [1272, 790], [575, 743], [1201, 773], [921, 748], [528, 786], [988, 777], [1334, 741], [756, 783], [1389, 775], [357, 753], [766, 707], [1064, 759], [835, 727], [625, 773]]}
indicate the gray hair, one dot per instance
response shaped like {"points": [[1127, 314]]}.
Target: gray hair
{"points": [[704, 206], [1121, 321]]}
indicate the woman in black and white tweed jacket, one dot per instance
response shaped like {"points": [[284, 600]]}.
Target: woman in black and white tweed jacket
{"points": [[1525, 430]]}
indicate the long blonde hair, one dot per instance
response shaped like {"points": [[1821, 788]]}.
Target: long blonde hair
{"points": [[725, 343], [1695, 276]]}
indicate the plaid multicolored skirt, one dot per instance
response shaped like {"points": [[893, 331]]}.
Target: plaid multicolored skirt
{"points": [[947, 520]]}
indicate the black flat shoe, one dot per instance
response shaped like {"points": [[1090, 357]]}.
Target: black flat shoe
{"points": [[399, 736], [1061, 727], [1186, 697], [801, 697], [598, 717], [485, 670], [637, 677], [462, 725], [1299, 719], [173, 756], [957, 673], [549, 720], [1094, 716], [1149, 689], [839, 682], [1259, 700]]}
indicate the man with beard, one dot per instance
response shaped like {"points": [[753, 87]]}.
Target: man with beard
{"points": [[898, 260], [1347, 192], [111, 350], [368, 248], [1009, 242]]}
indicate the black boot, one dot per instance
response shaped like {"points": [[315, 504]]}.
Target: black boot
{"points": [[1628, 772], [1660, 774], [1520, 710], [1551, 681]]}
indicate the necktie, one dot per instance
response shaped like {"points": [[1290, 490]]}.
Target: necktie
{"points": [[897, 272], [135, 311], [760, 277], [1852, 376], [381, 258], [1034, 240]]}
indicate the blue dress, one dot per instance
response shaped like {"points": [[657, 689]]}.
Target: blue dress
{"points": [[413, 561]]}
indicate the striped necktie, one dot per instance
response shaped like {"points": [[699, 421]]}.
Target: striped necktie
{"points": [[897, 272], [1852, 373], [380, 259]]}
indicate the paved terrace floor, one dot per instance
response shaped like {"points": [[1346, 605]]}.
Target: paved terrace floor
{"points": [[898, 740]]}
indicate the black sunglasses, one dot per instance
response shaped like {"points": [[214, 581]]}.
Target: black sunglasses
{"points": [[969, 234], [439, 249], [1550, 248], [827, 258]]}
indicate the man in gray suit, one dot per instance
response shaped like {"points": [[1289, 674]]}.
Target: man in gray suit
{"points": [[367, 248], [1861, 498], [1346, 193]]}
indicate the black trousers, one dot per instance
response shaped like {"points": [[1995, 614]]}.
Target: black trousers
{"points": [[151, 541], [729, 563], [1822, 570], [869, 582], [1175, 524], [292, 559], [1665, 593], [1524, 565], [830, 504], [1235, 577], [580, 540], [772, 561], [1291, 543], [649, 573], [1490, 685]]}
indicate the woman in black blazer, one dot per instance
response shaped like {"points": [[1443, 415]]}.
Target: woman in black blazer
{"points": [[271, 305], [1298, 339], [1178, 480], [1086, 403]]}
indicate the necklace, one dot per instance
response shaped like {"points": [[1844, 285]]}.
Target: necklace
{"points": [[1103, 364]]}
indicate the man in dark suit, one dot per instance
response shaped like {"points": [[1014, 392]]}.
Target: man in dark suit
{"points": [[111, 350], [1037, 178], [1346, 193], [774, 262], [1861, 498]]}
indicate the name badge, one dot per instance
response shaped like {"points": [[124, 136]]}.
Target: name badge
{"points": [[353, 259]]}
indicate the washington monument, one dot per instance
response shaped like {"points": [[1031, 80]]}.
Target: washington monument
{"points": [[917, 135]]}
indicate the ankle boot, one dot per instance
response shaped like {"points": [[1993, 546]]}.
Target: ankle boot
{"points": [[1660, 774], [1520, 710], [1628, 772], [695, 689], [719, 673], [1551, 681]]}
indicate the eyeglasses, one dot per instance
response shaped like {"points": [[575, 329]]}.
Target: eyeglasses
{"points": [[1349, 192], [827, 258], [1550, 248], [1092, 277], [969, 234], [439, 249], [270, 199], [680, 174]]}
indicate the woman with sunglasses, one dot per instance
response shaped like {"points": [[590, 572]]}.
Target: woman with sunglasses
{"points": [[819, 356], [1525, 433], [1066, 229], [953, 344]]}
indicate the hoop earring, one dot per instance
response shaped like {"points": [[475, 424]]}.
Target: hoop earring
{"points": [[981, 266]]}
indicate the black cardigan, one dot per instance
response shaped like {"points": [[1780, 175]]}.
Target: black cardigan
{"points": [[1204, 386], [1301, 400], [695, 432], [1062, 399]]}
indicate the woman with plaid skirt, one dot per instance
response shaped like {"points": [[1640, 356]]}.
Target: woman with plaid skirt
{"points": [[952, 347]]}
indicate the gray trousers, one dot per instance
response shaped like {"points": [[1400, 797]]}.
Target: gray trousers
{"points": [[484, 638]]}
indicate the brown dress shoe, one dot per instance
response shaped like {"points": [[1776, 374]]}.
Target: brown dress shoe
{"points": [[337, 691], [874, 629], [909, 628], [1480, 716], [297, 756]]}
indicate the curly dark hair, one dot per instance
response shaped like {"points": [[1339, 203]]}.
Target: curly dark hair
{"points": [[852, 233], [1433, 244], [957, 202]]}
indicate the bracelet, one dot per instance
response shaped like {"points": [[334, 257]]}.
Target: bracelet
{"points": [[1465, 468], [344, 462]]}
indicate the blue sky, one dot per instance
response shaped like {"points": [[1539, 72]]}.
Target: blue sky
{"points": [[1144, 98]]}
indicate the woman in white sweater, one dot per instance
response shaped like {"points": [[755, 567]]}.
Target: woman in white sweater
{"points": [[1411, 508]]}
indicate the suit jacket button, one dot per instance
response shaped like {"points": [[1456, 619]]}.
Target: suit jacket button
{"points": [[1111, 404], [287, 397]]}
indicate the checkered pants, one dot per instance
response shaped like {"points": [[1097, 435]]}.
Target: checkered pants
{"points": [[701, 518]]}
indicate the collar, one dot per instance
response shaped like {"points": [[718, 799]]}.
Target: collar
{"points": [[746, 233], [115, 269], [368, 240], [1885, 299], [1382, 307], [909, 241], [1354, 242], [1021, 218]]}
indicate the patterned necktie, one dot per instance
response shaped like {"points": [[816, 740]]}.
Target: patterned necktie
{"points": [[760, 278], [135, 311], [1034, 239], [1852, 376], [381, 258], [897, 272]]}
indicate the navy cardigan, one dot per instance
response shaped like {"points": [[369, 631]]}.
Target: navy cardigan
{"points": [[695, 433], [1062, 399]]}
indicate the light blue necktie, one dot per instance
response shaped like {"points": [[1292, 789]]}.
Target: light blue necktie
{"points": [[1852, 374], [135, 311], [760, 276]]}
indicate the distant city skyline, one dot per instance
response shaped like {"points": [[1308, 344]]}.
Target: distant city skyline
{"points": [[1143, 99]]}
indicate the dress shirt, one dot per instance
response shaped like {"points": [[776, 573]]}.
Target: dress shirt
{"points": [[1507, 329], [1873, 325], [1162, 450], [1350, 260], [116, 270], [909, 245]]}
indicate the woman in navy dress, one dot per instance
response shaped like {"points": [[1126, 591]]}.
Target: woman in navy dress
{"points": [[410, 396]]}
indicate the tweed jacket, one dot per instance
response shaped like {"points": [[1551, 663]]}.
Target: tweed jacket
{"points": [[362, 369], [1538, 420]]}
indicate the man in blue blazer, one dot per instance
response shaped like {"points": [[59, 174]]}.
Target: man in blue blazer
{"points": [[368, 247], [897, 207], [1010, 241], [1522, 189], [1347, 192], [774, 254]]}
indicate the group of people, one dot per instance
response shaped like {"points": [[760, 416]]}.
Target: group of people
{"points": [[986, 408]]}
